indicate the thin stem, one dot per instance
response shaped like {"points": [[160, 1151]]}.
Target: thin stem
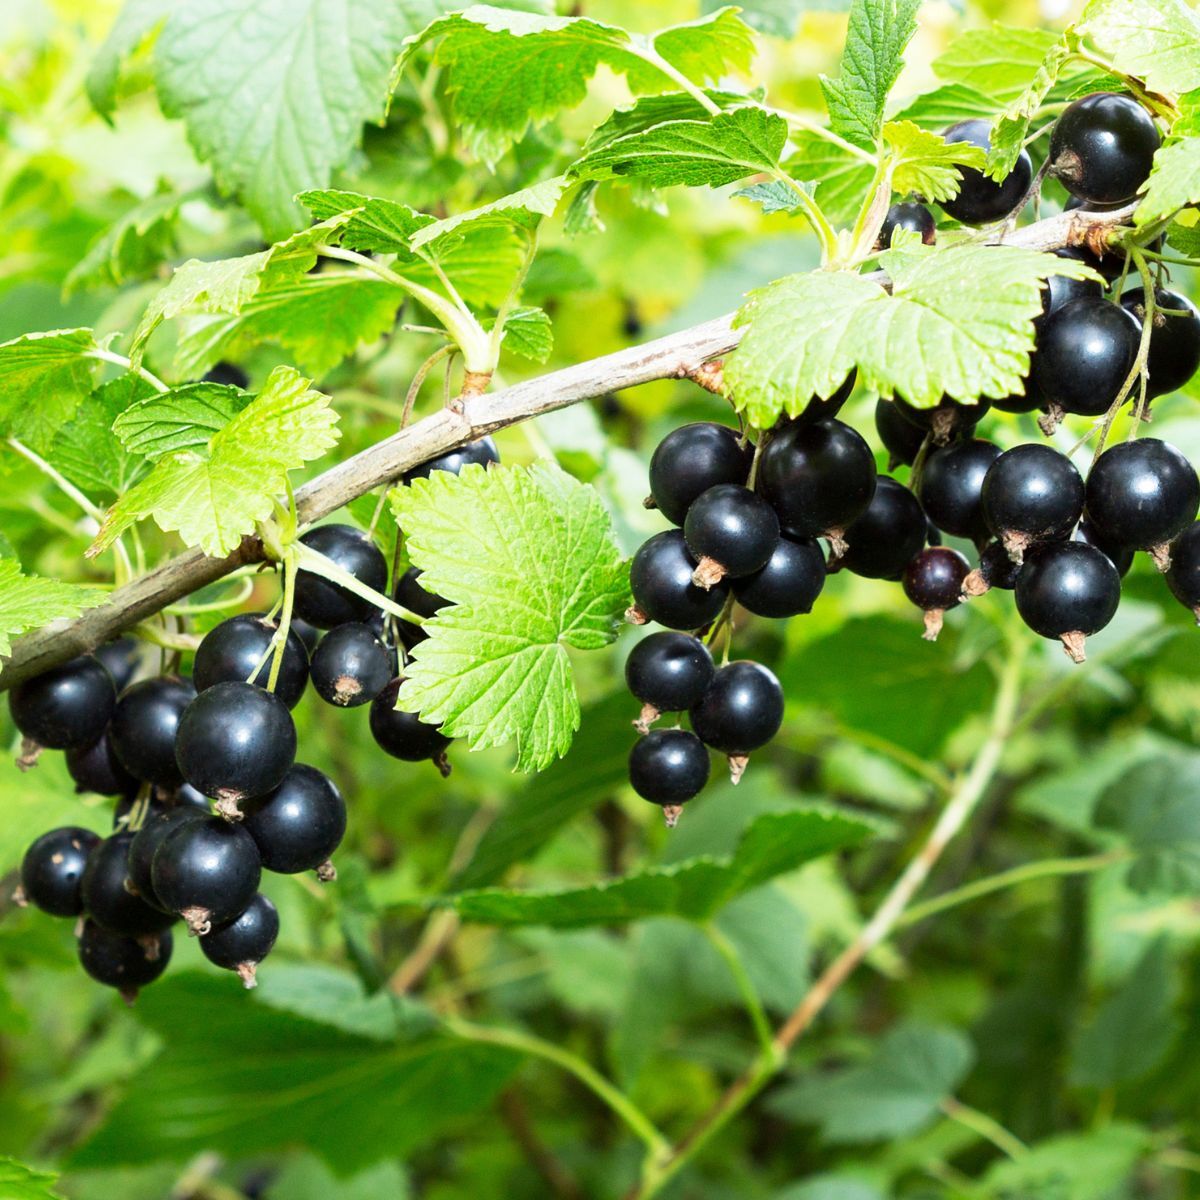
{"points": [[650, 55], [418, 379], [127, 364], [63, 484], [815, 127], [986, 1127], [928, 771], [239, 597], [745, 986], [285, 619], [816, 218], [308, 559]]}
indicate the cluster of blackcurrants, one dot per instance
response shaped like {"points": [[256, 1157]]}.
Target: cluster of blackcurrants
{"points": [[748, 519], [209, 793]]}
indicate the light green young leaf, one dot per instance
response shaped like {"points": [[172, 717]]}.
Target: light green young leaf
{"points": [[648, 111], [996, 62], [372, 225], [29, 601], [523, 209], [184, 418], [776, 18], [1154, 40], [284, 93], [878, 32], [215, 493], [925, 163], [44, 378], [527, 558], [135, 23], [695, 889], [947, 105], [19, 1182], [706, 50], [1095, 1165], [724, 149], [528, 332], [133, 247], [773, 197], [1011, 127], [842, 178], [308, 1178], [1174, 182]]}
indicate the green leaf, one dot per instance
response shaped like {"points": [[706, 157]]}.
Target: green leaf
{"points": [[947, 105], [695, 889], [213, 494], [19, 1182], [1073, 1166], [372, 225], [284, 93], [896, 1093], [842, 178], [996, 62], [1156, 806], [774, 197], [181, 419], [957, 322], [528, 332], [135, 23], [307, 1178], [1174, 182], [44, 377], [527, 558], [132, 247], [524, 209], [29, 601], [1011, 127], [830, 1187], [648, 111], [706, 50], [1157, 41], [878, 32], [1133, 1030], [926, 163], [776, 18]]}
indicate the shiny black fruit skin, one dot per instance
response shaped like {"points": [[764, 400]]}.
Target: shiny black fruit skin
{"points": [[947, 420], [818, 478], [121, 658], [52, 870], [326, 604], [1184, 576], [882, 542], [733, 527], [241, 944], [1102, 148], [66, 706], [120, 962], [934, 579], [298, 825], [206, 870], [96, 768], [692, 459], [146, 842], [997, 567], [952, 487], [661, 579], [900, 437], [228, 373], [790, 582], [915, 218], [1034, 493], [1121, 557], [351, 666], [1142, 494], [1061, 289], [742, 709], [1085, 351], [1067, 587], [409, 594], [818, 409], [235, 740], [231, 651], [981, 200], [1174, 341], [669, 671], [480, 453], [404, 735], [668, 766], [108, 895], [144, 726], [308, 634]]}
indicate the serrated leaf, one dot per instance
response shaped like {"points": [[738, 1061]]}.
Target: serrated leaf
{"points": [[214, 494], [523, 209], [44, 378], [19, 1182], [957, 322], [947, 105], [842, 178], [1174, 182], [648, 111], [776, 18], [1156, 807], [528, 332], [308, 1178], [527, 558], [1073, 1166], [29, 601], [877, 34], [136, 21], [925, 163], [997, 61], [772, 197], [1157, 41], [896, 1093], [706, 50], [373, 224], [1011, 127], [181, 419], [285, 88], [132, 247], [724, 149], [695, 889]]}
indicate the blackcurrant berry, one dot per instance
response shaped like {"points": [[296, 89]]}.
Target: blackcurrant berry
{"points": [[668, 767], [52, 870], [144, 726], [1174, 340], [146, 842], [667, 672], [1102, 148], [818, 478], [790, 582], [241, 944], [740, 712], [690, 460], [66, 706], [933, 581], [730, 531], [1067, 590], [1027, 400], [110, 897], [996, 570], [481, 452], [96, 768], [1111, 260], [186, 796], [1031, 494], [661, 579], [207, 871], [307, 633], [1084, 353], [818, 409], [947, 419], [1184, 576], [981, 200], [299, 825], [915, 218], [1062, 289], [882, 542], [351, 666], [404, 735], [952, 486], [228, 373], [1121, 557], [121, 658], [326, 604], [410, 594], [235, 740], [122, 962], [231, 651], [901, 438]]}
